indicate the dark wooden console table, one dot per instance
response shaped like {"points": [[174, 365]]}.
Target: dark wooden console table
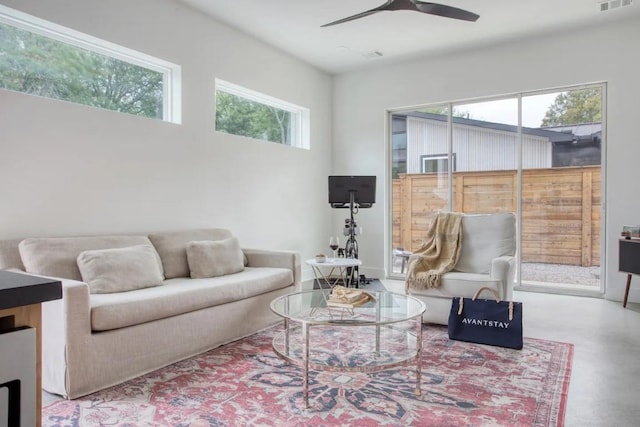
{"points": [[21, 296], [629, 262]]}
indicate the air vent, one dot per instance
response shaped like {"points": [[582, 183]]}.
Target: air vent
{"points": [[372, 55], [614, 4]]}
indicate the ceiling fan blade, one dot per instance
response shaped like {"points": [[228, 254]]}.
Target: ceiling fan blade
{"points": [[351, 18], [446, 11], [414, 5]]}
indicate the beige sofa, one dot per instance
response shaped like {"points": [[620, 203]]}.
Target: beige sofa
{"points": [[487, 258], [121, 323]]}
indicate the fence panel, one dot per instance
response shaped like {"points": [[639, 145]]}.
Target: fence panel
{"points": [[560, 209]]}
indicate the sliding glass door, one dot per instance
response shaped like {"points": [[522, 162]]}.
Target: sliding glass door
{"points": [[562, 202], [537, 155], [485, 143], [420, 177]]}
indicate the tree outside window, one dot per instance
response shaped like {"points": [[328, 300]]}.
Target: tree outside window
{"points": [[45, 66], [244, 112]]}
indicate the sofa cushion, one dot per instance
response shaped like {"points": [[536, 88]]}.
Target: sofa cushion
{"points": [[209, 258], [120, 269], [57, 256], [172, 248], [485, 237], [182, 295]]}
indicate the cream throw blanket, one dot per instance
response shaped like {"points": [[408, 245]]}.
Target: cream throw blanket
{"points": [[438, 254]]}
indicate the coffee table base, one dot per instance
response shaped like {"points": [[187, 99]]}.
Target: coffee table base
{"points": [[385, 347]]}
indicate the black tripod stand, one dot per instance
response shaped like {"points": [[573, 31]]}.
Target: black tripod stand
{"points": [[351, 246]]}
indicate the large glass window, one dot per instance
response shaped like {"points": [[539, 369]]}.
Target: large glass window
{"points": [[244, 112], [420, 183], [562, 201], [44, 59], [535, 154]]}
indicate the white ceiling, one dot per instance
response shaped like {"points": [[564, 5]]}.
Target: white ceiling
{"points": [[294, 26]]}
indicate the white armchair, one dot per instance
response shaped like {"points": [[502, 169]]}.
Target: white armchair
{"points": [[487, 258]]}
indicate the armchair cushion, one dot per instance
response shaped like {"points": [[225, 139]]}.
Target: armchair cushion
{"points": [[485, 237], [461, 285]]}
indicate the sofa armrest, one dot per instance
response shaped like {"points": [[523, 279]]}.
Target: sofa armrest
{"points": [[66, 324], [281, 259], [504, 268]]}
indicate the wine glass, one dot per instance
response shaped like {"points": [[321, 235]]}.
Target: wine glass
{"points": [[334, 242]]}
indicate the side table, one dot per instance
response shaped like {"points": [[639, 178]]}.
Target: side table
{"points": [[343, 266], [629, 262]]}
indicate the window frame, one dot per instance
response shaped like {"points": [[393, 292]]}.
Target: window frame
{"points": [[450, 195], [172, 73], [300, 116], [438, 158]]}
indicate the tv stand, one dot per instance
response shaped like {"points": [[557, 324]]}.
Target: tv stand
{"points": [[354, 193], [351, 246]]}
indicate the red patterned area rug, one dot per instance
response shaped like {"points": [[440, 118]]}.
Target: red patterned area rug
{"points": [[245, 384]]}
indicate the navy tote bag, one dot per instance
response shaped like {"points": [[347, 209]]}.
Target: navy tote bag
{"points": [[482, 321]]}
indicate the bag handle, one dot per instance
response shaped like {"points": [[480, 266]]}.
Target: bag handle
{"points": [[495, 294]]}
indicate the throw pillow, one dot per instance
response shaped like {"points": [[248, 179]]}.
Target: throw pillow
{"points": [[172, 247], [120, 269], [210, 258]]}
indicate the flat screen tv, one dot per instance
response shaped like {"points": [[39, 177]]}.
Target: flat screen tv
{"points": [[341, 187]]}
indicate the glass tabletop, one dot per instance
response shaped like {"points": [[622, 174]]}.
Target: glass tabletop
{"points": [[335, 262], [311, 307]]}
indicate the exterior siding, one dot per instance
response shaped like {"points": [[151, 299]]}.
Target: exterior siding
{"points": [[475, 149]]}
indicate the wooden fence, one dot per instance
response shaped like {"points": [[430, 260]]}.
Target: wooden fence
{"points": [[560, 209]]}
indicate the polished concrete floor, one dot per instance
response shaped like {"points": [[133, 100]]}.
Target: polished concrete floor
{"points": [[605, 380]]}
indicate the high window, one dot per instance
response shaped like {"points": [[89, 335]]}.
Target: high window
{"points": [[44, 59], [244, 112]]}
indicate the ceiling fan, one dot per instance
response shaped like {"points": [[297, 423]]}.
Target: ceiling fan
{"points": [[416, 6]]}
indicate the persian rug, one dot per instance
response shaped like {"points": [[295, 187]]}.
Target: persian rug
{"points": [[245, 384]]}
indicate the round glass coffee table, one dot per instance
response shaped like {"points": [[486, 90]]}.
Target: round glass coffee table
{"points": [[381, 334]]}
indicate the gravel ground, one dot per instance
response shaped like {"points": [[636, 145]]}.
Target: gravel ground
{"points": [[550, 273], [560, 273]]}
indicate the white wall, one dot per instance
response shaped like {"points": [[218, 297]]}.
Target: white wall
{"points": [[67, 169], [606, 53]]}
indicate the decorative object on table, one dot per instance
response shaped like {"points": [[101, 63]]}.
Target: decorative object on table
{"points": [[348, 297], [630, 231], [321, 258], [482, 321], [334, 244]]}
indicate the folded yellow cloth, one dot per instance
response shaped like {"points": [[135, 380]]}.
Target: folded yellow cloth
{"points": [[438, 254]]}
